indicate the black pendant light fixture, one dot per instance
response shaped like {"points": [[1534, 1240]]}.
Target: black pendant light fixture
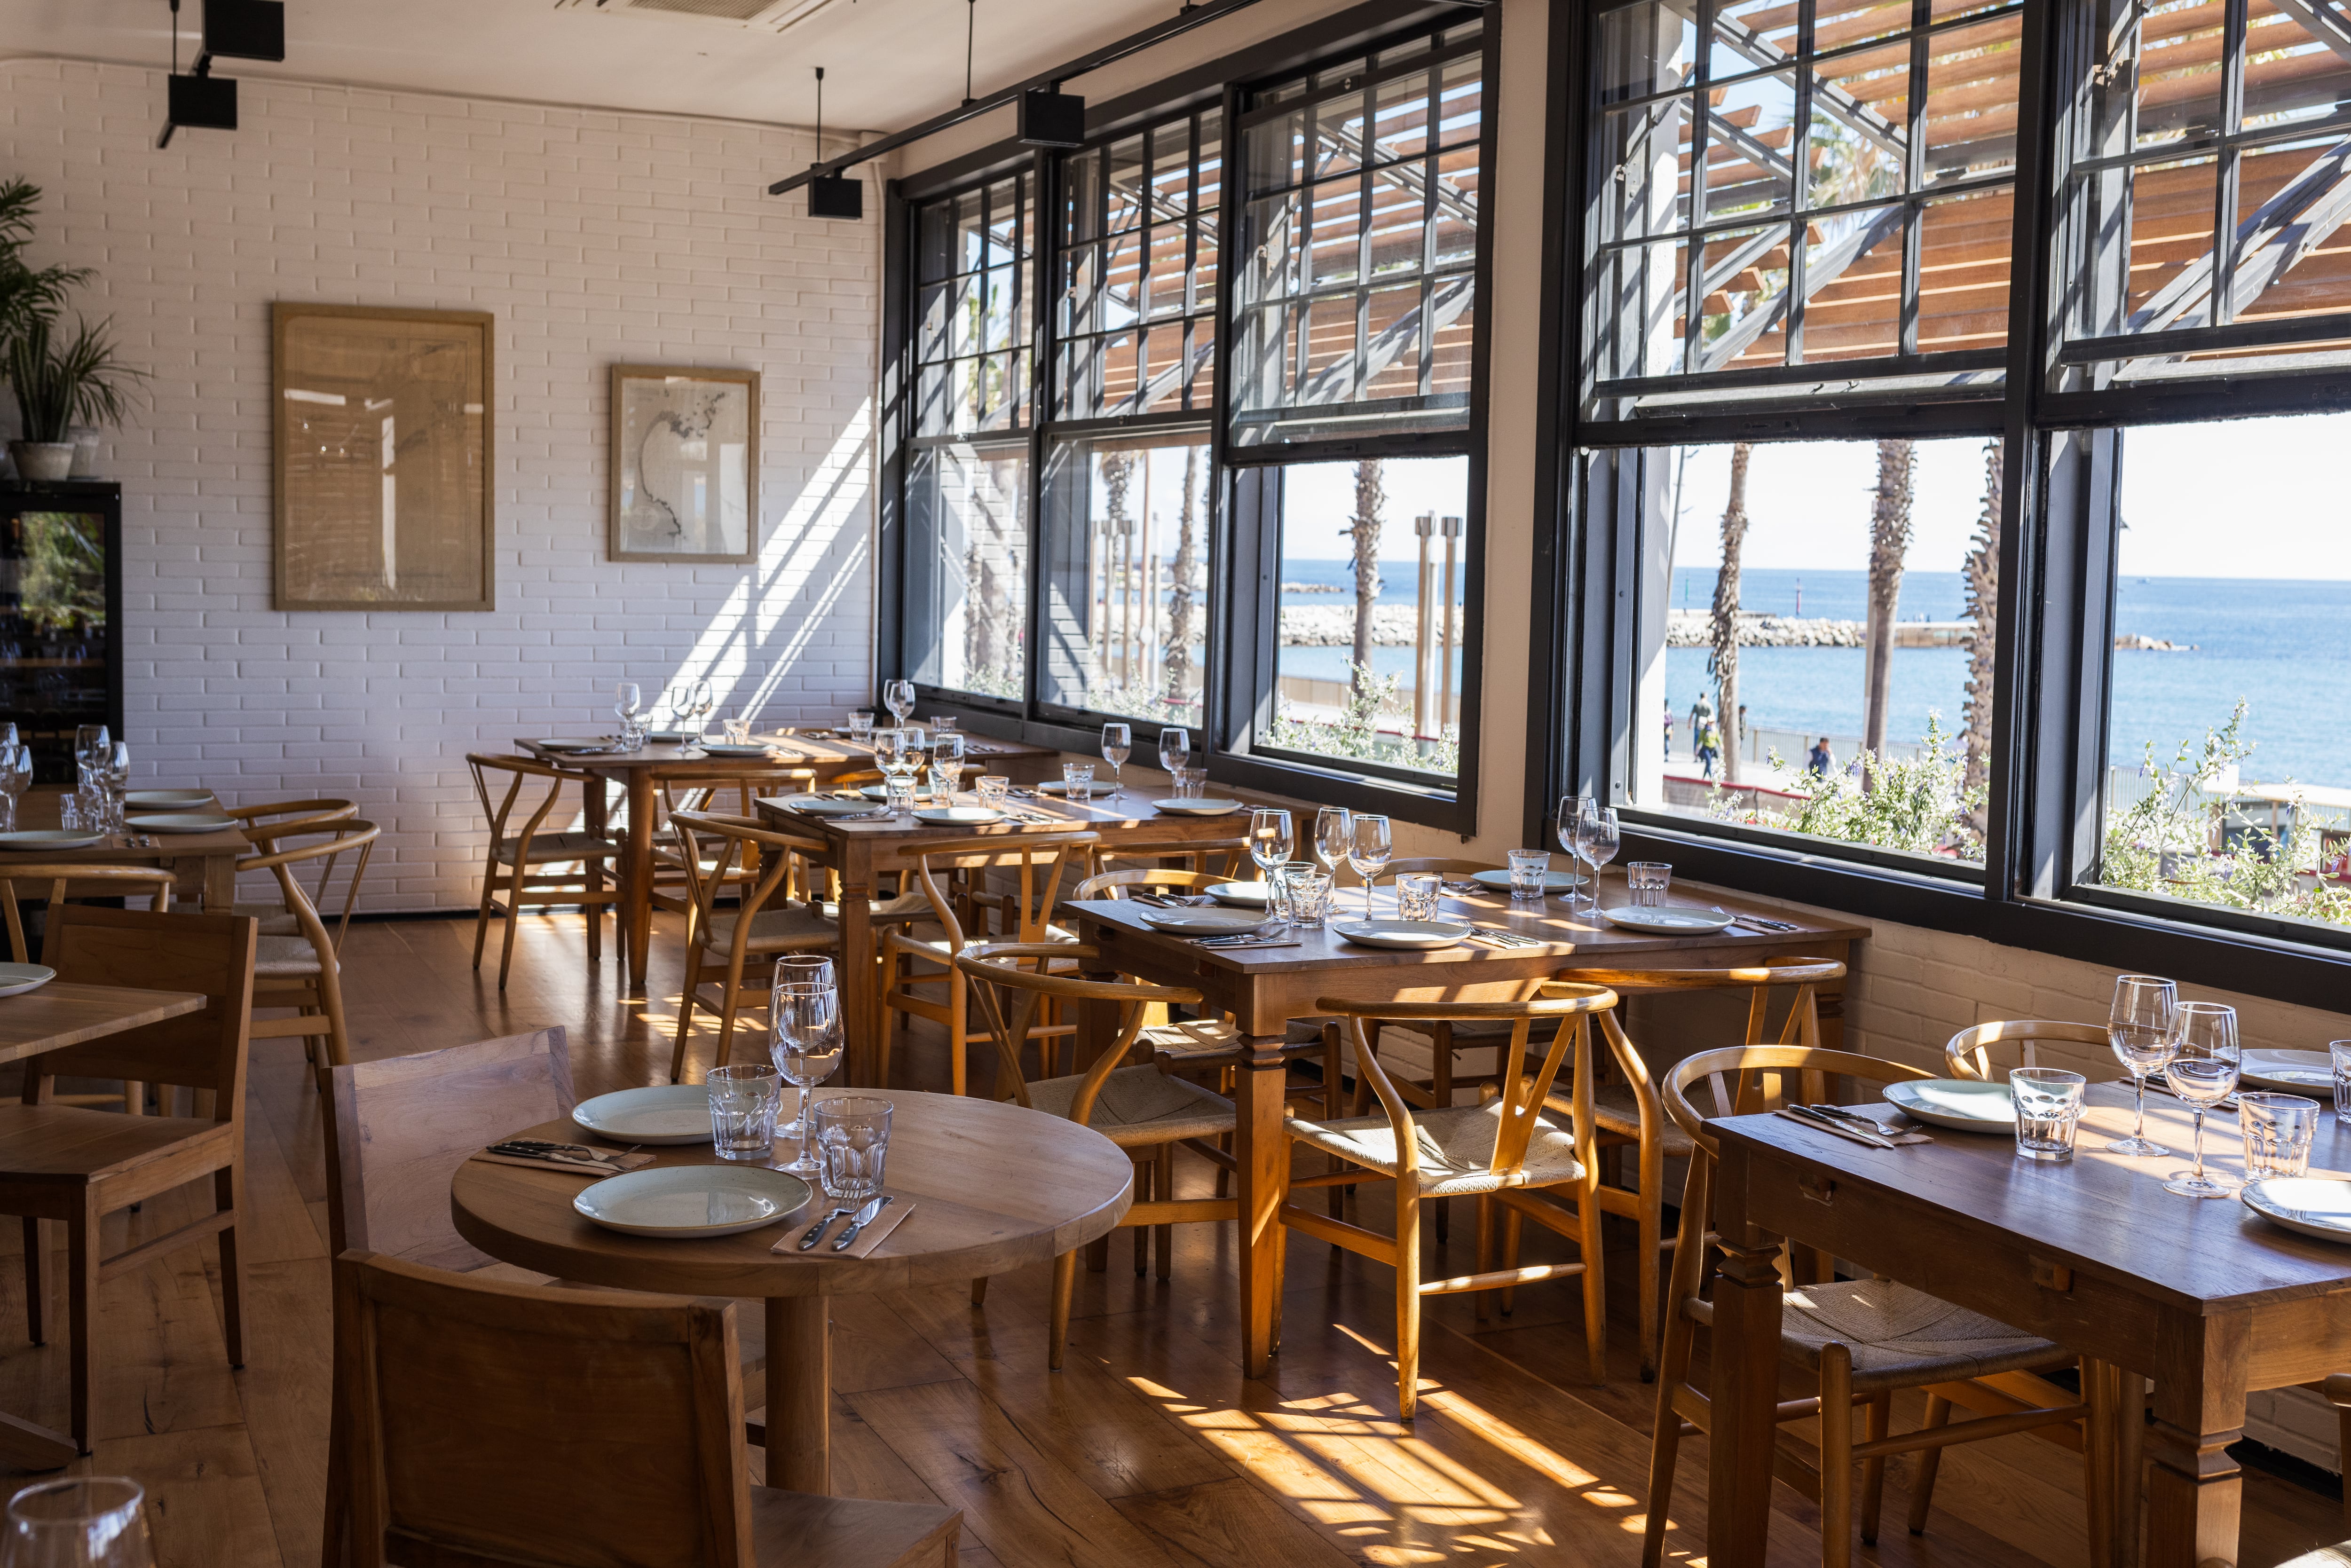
{"points": [[831, 195], [234, 29]]}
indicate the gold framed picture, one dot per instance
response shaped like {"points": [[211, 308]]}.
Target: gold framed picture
{"points": [[685, 464], [384, 449]]}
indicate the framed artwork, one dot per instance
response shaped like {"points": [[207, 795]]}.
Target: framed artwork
{"points": [[384, 455], [685, 464]]}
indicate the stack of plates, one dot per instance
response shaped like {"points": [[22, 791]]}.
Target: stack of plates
{"points": [[1204, 808], [1202, 922], [192, 823], [167, 799], [667, 1113], [958, 816], [1666, 919], [1408, 935]]}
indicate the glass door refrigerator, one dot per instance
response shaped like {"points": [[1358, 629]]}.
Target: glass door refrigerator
{"points": [[60, 616]]}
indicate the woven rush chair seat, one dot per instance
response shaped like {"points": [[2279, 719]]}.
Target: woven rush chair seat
{"points": [[772, 930], [1139, 1106], [275, 919], [1456, 1149], [1900, 1337], [556, 848], [287, 957]]}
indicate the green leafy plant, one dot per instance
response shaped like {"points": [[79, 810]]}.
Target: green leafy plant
{"points": [[1356, 734], [1921, 805], [27, 294], [60, 383]]}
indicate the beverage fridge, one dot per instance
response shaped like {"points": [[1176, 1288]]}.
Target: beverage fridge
{"points": [[60, 616]]}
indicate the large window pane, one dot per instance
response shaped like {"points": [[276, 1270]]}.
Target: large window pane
{"points": [[973, 309], [967, 567], [1813, 635], [2227, 781], [1374, 567], [1126, 575]]}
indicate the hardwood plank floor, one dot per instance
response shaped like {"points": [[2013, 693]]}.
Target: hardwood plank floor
{"points": [[1149, 1448]]}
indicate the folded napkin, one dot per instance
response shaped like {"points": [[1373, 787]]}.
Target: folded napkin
{"points": [[870, 1238], [1192, 1037], [1885, 1127], [579, 1159]]}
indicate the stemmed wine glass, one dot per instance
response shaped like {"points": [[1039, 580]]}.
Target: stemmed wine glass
{"points": [[2139, 1026], [114, 783], [1369, 852], [629, 707], [1573, 810], [898, 696], [1117, 746], [798, 970], [1597, 837], [1272, 840], [1335, 830], [2203, 1072], [698, 704], [16, 777], [1175, 749], [807, 1040]]}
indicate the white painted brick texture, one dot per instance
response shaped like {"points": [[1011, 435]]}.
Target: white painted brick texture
{"points": [[596, 238]]}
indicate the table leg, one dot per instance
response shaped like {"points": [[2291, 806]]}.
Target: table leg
{"points": [[2193, 1488], [864, 1016], [220, 884], [800, 1393], [637, 875], [1745, 1391], [1261, 1150]]}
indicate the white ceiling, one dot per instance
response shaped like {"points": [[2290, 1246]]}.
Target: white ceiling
{"points": [[888, 63]]}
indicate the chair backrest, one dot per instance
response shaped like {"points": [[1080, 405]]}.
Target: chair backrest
{"points": [[264, 822], [1115, 884], [710, 847], [499, 782], [209, 953], [79, 880], [1521, 1093], [486, 1423], [1006, 994], [1437, 863], [1039, 859], [1224, 855], [399, 1128], [330, 841], [1746, 1080], [1968, 1052], [700, 794]]}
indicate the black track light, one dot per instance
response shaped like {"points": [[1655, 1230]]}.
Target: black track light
{"points": [[831, 195], [1052, 118]]}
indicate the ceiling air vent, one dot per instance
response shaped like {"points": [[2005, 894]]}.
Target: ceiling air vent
{"points": [[717, 10]]}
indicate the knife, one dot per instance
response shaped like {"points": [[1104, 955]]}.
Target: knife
{"points": [[818, 1229], [859, 1220], [1806, 1113]]}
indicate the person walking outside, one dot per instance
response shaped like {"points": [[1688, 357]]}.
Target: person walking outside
{"points": [[1709, 747], [1822, 761]]}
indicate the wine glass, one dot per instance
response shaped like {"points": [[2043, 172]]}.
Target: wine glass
{"points": [[698, 704], [798, 970], [947, 763], [2138, 1026], [16, 777], [1369, 852], [83, 1521], [806, 1040], [1272, 840], [1570, 826], [1117, 746], [114, 783], [1175, 749], [2203, 1072], [1598, 836], [898, 696], [1335, 830]]}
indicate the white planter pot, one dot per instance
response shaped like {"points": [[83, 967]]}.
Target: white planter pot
{"points": [[42, 459]]}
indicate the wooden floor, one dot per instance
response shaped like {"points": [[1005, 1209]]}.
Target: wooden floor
{"points": [[1148, 1449]]}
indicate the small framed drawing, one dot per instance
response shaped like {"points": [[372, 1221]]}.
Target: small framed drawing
{"points": [[685, 464], [384, 453]]}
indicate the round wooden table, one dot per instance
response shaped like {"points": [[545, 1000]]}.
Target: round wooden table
{"points": [[993, 1188]]}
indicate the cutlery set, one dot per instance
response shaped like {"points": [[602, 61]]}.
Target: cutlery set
{"points": [[858, 1220]]}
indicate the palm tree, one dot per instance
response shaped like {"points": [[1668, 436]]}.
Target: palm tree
{"points": [[1179, 597], [1722, 662], [1363, 529], [1889, 541], [1981, 573]]}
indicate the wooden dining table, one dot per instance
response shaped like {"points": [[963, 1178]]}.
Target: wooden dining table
{"points": [[2201, 1295], [205, 864], [58, 1015], [640, 774], [989, 1187], [862, 849], [1263, 989]]}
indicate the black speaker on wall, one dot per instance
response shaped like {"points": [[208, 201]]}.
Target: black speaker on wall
{"points": [[1052, 119], [836, 197], [202, 103], [246, 29]]}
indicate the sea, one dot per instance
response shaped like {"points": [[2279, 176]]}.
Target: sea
{"points": [[2280, 643]]}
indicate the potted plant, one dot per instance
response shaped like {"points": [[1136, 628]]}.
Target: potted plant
{"points": [[57, 383]]}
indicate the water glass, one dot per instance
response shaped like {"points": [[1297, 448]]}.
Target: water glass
{"points": [[1419, 895], [2278, 1130], [634, 732], [860, 724], [744, 1099], [1306, 892], [84, 1521], [1078, 780], [1529, 875], [995, 791], [2203, 1072], [1648, 881], [2338, 1050], [944, 724], [738, 731], [852, 1139], [2048, 1110], [1191, 783], [15, 778], [70, 813]]}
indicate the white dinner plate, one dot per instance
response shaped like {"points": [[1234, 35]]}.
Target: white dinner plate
{"points": [[181, 822], [882, 792], [16, 977], [1961, 1103], [579, 743], [667, 1113], [959, 814], [1202, 922], [694, 1200], [1201, 807], [49, 839], [1500, 881], [1666, 919], [728, 749], [822, 806], [2316, 1206], [1095, 790], [1243, 895], [2296, 1071], [1412, 935], [167, 799]]}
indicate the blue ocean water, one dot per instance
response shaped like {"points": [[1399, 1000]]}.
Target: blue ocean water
{"points": [[2280, 644], [1397, 586]]}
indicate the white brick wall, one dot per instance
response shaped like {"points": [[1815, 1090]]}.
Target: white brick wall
{"points": [[595, 238]]}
